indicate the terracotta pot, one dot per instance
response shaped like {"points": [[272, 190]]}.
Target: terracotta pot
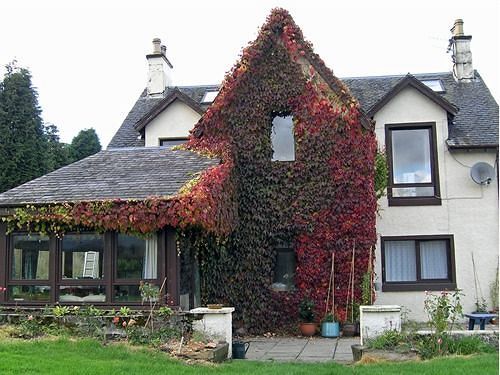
{"points": [[308, 329]]}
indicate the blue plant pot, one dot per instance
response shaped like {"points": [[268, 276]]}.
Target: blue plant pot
{"points": [[330, 329]]}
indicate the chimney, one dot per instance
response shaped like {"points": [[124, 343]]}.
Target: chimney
{"points": [[461, 54], [160, 69]]}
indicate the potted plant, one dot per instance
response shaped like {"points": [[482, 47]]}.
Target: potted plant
{"points": [[330, 327], [306, 313], [351, 325]]}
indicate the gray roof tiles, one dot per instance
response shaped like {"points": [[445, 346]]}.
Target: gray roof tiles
{"points": [[475, 125], [127, 136], [123, 173]]}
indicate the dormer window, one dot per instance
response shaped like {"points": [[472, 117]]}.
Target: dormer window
{"points": [[434, 84], [209, 96], [282, 139]]}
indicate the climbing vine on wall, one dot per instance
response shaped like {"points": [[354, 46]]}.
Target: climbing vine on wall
{"points": [[206, 202], [322, 202]]}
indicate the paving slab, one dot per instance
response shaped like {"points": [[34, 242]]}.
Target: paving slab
{"points": [[314, 349]]}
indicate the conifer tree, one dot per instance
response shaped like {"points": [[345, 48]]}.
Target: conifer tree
{"points": [[22, 139], [86, 143]]}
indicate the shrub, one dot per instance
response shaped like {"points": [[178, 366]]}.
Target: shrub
{"points": [[306, 310], [391, 339]]}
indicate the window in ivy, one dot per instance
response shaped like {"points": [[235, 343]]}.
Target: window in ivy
{"points": [[284, 268], [282, 139]]}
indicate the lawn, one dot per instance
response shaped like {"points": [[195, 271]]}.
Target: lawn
{"points": [[64, 356]]}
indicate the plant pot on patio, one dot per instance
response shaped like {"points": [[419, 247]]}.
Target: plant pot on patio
{"points": [[330, 329], [349, 329], [308, 329]]}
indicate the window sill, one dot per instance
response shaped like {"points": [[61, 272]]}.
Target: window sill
{"points": [[413, 287], [414, 201]]}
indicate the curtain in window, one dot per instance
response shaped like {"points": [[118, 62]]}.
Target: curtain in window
{"points": [[433, 260], [150, 258], [400, 261], [30, 263]]}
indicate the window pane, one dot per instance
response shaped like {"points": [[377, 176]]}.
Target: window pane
{"points": [[30, 257], [400, 261], [81, 293], [411, 156], [127, 293], [172, 142], [420, 191], [136, 257], [433, 260], [82, 256], [282, 139], [29, 292], [284, 270]]}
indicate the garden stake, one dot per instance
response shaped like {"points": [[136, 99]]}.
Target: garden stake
{"points": [[154, 305]]}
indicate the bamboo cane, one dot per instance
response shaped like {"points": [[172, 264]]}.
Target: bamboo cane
{"points": [[329, 286]]}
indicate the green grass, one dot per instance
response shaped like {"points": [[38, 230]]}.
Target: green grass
{"points": [[80, 357]]}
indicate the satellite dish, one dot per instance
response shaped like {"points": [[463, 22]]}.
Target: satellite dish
{"points": [[482, 173]]}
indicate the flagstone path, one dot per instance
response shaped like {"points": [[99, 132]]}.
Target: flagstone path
{"points": [[314, 349]]}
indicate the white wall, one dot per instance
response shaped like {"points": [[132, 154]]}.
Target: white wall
{"points": [[174, 122], [468, 211]]}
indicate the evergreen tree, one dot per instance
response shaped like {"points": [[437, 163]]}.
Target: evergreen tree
{"points": [[22, 140], [86, 143], [58, 153]]}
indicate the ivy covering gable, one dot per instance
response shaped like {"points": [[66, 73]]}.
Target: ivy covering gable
{"points": [[322, 202]]}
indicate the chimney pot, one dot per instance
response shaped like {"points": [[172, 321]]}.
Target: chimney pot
{"points": [[156, 46], [458, 28]]}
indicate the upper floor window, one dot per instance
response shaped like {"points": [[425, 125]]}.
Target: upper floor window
{"points": [[412, 158], [282, 139]]}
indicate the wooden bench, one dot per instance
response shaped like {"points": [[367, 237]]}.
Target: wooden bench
{"points": [[480, 318]]}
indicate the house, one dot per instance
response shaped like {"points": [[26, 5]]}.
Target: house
{"points": [[276, 173]]}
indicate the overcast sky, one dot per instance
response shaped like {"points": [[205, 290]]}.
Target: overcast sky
{"points": [[88, 60]]}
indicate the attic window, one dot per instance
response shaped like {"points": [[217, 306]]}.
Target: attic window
{"points": [[434, 84], [209, 96], [282, 139]]}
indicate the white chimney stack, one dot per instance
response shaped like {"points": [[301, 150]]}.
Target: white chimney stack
{"points": [[461, 53], [160, 69]]}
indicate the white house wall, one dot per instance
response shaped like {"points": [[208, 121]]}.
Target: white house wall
{"points": [[174, 122], [468, 211]]}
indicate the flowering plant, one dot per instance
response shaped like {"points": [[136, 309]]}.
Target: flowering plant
{"points": [[443, 310]]}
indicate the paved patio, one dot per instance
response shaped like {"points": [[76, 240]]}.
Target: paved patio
{"points": [[315, 349]]}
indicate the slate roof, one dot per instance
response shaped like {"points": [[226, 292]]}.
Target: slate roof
{"points": [[475, 124], [127, 136], [124, 173]]}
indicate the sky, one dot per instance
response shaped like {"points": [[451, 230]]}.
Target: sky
{"points": [[87, 58]]}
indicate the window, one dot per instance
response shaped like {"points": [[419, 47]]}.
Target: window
{"points": [[282, 139], [81, 268], [85, 267], [284, 268], [209, 96], [434, 84], [412, 159], [171, 142], [29, 268], [135, 260], [418, 263]]}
